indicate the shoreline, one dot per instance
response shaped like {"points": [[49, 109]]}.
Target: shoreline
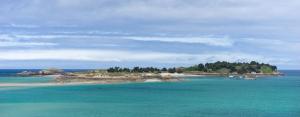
{"points": [[68, 80], [80, 83], [47, 84], [236, 70]]}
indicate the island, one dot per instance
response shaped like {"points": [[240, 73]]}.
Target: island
{"points": [[242, 70]]}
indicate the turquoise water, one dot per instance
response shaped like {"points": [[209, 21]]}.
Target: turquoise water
{"points": [[14, 79], [198, 97]]}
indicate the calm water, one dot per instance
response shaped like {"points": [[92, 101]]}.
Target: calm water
{"points": [[202, 97]]}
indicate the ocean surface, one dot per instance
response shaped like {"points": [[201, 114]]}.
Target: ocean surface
{"points": [[195, 97]]}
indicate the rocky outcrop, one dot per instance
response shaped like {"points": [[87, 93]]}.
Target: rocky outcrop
{"points": [[51, 71]]}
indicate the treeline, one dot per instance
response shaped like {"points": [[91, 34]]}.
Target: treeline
{"points": [[219, 67], [144, 70], [227, 67]]}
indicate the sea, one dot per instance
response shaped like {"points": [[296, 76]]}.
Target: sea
{"points": [[193, 97]]}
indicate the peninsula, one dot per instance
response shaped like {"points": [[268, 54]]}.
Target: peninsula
{"points": [[151, 74]]}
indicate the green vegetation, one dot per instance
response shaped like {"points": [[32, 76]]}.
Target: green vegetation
{"points": [[134, 70], [266, 69], [217, 67], [240, 68]]}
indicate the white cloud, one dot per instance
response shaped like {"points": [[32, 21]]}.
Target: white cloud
{"points": [[152, 9], [279, 46], [207, 40], [223, 41], [21, 26], [272, 19], [22, 36], [25, 44], [12, 41], [121, 56]]}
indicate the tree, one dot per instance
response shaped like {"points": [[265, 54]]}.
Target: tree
{"points": [[164, 69], [201, 67], [172, 70], [219, 66]]}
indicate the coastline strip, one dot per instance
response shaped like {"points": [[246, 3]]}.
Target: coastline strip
{"points": [[47, 84]]}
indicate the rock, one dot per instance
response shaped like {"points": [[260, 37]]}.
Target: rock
{"points": [[27, 73], [51, 71]]}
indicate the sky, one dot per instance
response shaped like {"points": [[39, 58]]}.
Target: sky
{"points": [[88, 34]]}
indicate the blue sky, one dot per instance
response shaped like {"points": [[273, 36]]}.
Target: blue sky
{"points": [[163, 33]]}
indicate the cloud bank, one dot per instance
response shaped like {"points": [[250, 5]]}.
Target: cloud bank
{"points": [[123, 56], [150, 30]]}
